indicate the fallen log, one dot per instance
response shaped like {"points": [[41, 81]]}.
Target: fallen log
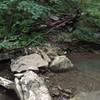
{"points": [[65, 20], [7, 83]]}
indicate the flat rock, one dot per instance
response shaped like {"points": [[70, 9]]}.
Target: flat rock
{"points": [[29, 62], [60, 63], [87, 96]]}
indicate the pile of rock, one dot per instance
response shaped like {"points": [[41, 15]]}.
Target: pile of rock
{"points": [[28, 84]]}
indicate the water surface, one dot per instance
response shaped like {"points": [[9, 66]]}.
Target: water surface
{"points": [[85, 76]]}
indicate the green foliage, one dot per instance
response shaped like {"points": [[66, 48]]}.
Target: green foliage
{"points": [[60, 6], [88, 28], [3, 30], [21, 16], [16, 42], [86, 34], [64, 38], [33, 8], [92, 12], [21, 13]]}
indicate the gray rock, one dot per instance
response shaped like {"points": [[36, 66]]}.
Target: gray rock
{"points": [[53, 17], [87, 96], [33, 87], [29, 62], [60, 63], [19, 75]]}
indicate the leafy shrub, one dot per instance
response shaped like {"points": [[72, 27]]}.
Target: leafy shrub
{"points": [[86, 34], [21, 14], [88, 28], [3, 30], [60, 6], [16, 42]]}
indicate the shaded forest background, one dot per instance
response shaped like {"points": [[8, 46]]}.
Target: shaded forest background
{"points": [[29, 21]]}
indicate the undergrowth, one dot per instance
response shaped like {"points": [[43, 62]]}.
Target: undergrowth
{"points": [[20, 18], [13, 41], [88, 28], [23, 17]]}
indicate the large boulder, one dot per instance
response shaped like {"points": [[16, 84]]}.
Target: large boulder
{"points": [[33, 87], [29, 62], [60, 63]]}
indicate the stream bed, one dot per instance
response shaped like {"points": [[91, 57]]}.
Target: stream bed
{"points": [[84, 77]]}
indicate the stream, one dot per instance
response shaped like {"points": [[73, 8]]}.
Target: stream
{"points": [[84, 77]]}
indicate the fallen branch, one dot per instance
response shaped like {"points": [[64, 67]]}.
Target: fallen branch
{"points": [[65, 20], [7, 83], [11, 85]]}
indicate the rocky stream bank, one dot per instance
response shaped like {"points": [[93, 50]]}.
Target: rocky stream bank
{"points": [[62, 82]]}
